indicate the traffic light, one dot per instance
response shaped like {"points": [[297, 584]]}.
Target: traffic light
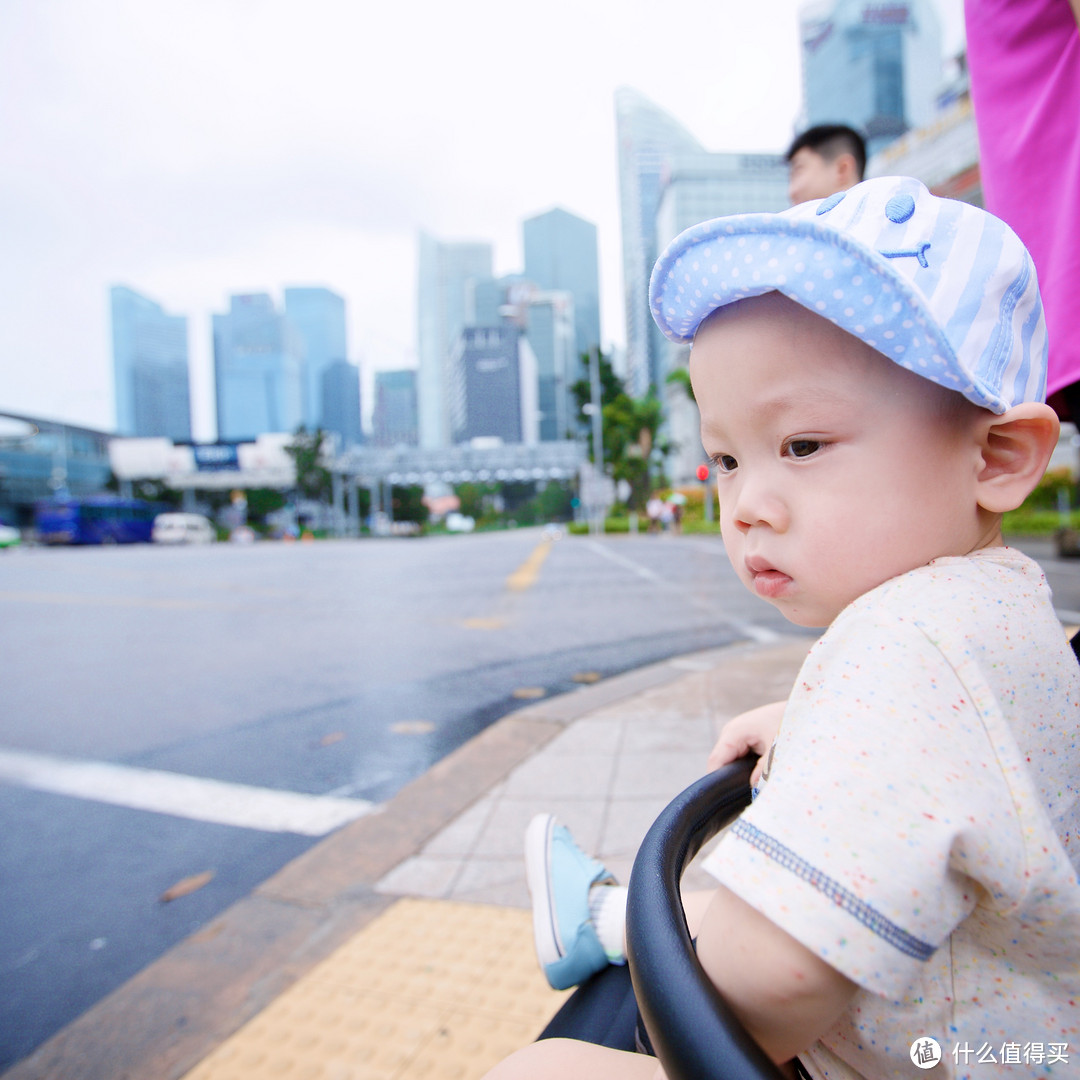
{"points": [[703, 473]]}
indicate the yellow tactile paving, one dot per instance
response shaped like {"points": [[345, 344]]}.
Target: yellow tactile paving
{"points": [[431, 989]]}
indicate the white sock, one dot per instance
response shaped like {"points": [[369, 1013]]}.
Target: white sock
{"points": [[607, 909]]}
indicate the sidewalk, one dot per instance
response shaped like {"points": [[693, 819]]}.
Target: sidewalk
{"points": [[401, 946]]}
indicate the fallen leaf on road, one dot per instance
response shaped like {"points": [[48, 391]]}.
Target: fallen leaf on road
{"points": [[186, 886], [333, 737]]}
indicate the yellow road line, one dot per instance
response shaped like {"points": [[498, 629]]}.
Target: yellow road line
{"points": [[527, 573]]}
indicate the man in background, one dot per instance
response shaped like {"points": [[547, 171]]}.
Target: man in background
{"points": [[823, 160]]}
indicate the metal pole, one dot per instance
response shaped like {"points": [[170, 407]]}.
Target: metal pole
{"points": [[338, 485], [596, 511]]}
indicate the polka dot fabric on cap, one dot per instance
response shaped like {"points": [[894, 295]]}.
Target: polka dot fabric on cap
{"points": [[938, 286]]}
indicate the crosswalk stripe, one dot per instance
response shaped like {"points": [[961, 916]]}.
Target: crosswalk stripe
{"points": [[193, 797]]}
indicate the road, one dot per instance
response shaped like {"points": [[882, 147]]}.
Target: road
{"points": [[338, 669], [171, 713]]}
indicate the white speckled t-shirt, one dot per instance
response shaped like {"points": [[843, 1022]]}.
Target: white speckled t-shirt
{"points": [[919, 827]]}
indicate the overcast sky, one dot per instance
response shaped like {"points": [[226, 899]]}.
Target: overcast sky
{"points": [[201, 148]]}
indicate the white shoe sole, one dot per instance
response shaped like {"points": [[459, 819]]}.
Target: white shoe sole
{"points": [[538, 876]]}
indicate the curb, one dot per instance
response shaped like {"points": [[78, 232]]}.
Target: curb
{"points": [[168, 1017]]}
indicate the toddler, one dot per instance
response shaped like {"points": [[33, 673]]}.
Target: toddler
{"points": [[870, 371]]}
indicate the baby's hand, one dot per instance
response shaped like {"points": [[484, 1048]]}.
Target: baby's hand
{"points": [[753, 730]]}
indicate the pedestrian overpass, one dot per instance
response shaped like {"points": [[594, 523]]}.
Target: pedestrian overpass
{"points": [[379, 469]]}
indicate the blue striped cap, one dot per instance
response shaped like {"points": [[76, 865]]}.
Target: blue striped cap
{"points": [[936, 285]]}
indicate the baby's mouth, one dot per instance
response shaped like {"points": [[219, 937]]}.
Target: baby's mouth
{"points": [[768, 582]]}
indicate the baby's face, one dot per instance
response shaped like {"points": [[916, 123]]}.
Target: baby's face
{"points": [[836, 469]]}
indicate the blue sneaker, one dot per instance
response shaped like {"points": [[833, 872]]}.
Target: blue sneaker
{"points": [[560, 876]]}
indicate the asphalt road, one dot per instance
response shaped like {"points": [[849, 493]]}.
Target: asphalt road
{"points": [[337, 668], [335, 672]]}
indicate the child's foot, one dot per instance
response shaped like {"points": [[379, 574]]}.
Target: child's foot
{"points": [[560, 877]]}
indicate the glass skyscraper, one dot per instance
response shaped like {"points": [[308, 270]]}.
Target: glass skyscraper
{"points": [[561, 255], [393, 419], [876, 66], [648, 137], [447, 272], [339, 393], [258, 369], [318, 315], [150, 366]]}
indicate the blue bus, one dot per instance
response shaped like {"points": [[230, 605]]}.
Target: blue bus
{"points": [[95, 519]]}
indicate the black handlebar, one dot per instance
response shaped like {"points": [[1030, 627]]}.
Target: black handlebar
{"points": [[694, 1033]]}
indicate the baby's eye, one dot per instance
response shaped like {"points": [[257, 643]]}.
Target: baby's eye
{"points": [[800, 448], [725, 463]]}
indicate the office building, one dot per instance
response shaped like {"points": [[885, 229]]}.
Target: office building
{"points": [[339, 413], [150, 367], [876, 66], [258, 370], [318, 316], [561, 255], [446, 275], [647, 140], [493, 386], [546, 319], [944, 155], [394, 417]]}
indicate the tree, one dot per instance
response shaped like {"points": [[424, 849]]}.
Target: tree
{"points": [[630, 430], [313, 479], [680, 376]]}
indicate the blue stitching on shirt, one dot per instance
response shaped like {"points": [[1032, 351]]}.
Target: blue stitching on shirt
{"points": [[843, 898]]}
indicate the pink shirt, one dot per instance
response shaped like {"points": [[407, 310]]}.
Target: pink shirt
{"points": [[1024, 59]]}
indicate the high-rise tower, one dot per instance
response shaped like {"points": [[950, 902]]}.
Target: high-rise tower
{"points": [[447, 272], [561, 256], [258, 368], [318, 315], [876, 66], [150, 365], [648, 137]]}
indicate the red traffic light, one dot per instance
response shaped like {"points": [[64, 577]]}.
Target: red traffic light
{"points": [[703, 473]]}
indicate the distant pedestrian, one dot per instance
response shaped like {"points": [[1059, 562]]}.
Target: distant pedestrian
{"points": [[823, 160], [653, 510]]}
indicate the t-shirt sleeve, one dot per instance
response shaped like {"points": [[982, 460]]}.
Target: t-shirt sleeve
{"points": [[886, 816]]}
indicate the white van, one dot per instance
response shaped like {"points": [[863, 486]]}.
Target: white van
{"points": [[183, 529]]}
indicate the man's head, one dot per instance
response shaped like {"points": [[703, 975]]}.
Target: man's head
{"points": [[870, 374], [823, 160]]}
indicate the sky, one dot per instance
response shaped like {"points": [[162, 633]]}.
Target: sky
{"points": [[195, 149]]}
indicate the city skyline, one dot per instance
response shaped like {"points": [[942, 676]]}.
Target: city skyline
{"points": [[159, 148]]}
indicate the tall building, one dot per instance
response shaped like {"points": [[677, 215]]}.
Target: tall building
{"points": [[150, 367], [339, 392], [546, 319], [444, 294], [648, 138], [561, 255], [493, 386], [874, 65], [258, 370], [394, 417], [551, 332], [318, 316]]}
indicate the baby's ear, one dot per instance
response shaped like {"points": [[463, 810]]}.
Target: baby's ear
{"points": [[1016, 448]]}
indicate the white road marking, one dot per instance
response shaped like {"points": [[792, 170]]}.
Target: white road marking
{"points": [[747, 629], [192, 797]]}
